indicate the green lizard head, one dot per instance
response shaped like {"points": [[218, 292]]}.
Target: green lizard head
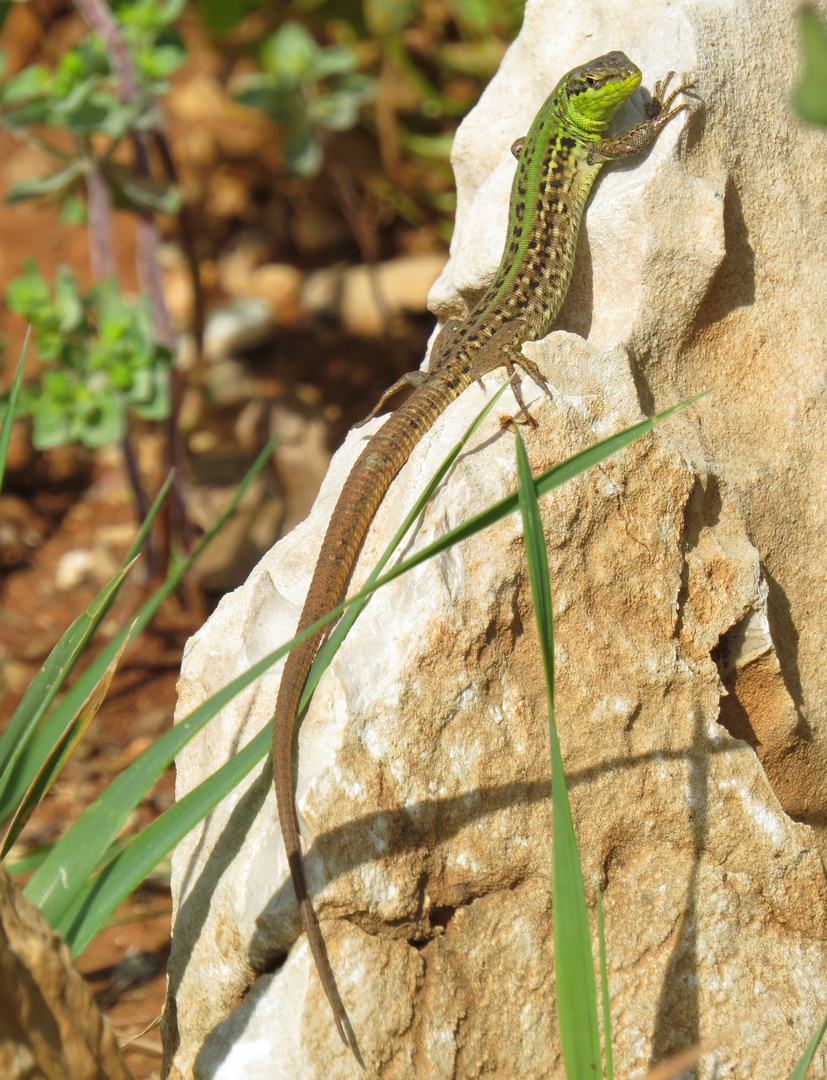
{"points": [[590, 94]]}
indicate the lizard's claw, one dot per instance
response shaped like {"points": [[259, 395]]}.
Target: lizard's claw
{"points": [[660, 107]]}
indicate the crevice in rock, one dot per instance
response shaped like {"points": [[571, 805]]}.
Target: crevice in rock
{"points": [[441, 916], [757, 707]]}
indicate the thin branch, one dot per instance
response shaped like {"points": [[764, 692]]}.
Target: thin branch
{"points": [[99, 224], [100, 20], [188, 244]]}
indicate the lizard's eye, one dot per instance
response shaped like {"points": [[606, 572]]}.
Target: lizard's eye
{"points": [[592, 80]]}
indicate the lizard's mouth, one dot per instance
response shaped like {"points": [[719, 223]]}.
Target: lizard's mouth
{"points": [[617, 92]]}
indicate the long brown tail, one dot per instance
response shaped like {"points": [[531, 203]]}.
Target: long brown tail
{"points": [[292, 683], [364, 489]]}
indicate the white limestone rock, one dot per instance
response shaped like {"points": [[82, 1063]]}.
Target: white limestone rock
{"points": [[423, 763]]}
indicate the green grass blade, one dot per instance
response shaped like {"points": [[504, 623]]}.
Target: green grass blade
{"points": [[67, 868], [604, 988], [11, 406], [800, 1071], [573, 964], [810, 96], [20, 732], [53, 674], [146, 524], [126, 871], [331, 645], [57, 758], [50, 731]]}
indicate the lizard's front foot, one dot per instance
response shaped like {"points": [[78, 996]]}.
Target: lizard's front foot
{"points": [[660, 108]]}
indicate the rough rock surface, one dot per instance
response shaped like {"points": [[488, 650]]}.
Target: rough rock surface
{"points": [[685, 633], [49, 1024]]}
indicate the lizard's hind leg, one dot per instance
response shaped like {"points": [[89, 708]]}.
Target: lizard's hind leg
{"points": [[410, 380], [503, 349]]}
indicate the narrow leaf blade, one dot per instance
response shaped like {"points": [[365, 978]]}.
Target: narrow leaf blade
{"points": [[47, 735], [11, 407], [96, 902], [574, 967], [604, 987], [51, 767], [22, 728]]}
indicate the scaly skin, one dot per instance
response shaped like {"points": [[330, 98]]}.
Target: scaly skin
{"points": [[557, 164]]}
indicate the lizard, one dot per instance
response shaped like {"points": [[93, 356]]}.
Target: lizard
{"points": [[557, 163]]}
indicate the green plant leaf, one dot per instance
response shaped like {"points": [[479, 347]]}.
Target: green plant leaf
{"points": [[48, 733], [65, 872], [334, 60], [14, 778], [276, 100], [163, 58], [97, 900], [291, 51], [57, 182], [57, 758], [338, 109], [99, 421], [42, 692], [576, 991], [158, 405], [88, 118], [810, 96], [29, 113], [303, 151], [68, 305], [11, 408], [31, 81], [604, 991], [28, 295], [51, 426]]}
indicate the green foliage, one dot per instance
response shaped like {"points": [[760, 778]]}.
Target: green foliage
{"points": [[431, 66], [80, 96], [307, 88], [810, 97], [44, 729], [100, 357]]}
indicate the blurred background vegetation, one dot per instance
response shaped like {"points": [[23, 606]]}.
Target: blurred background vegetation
{"points": [[217, 212], [221, 221]]}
